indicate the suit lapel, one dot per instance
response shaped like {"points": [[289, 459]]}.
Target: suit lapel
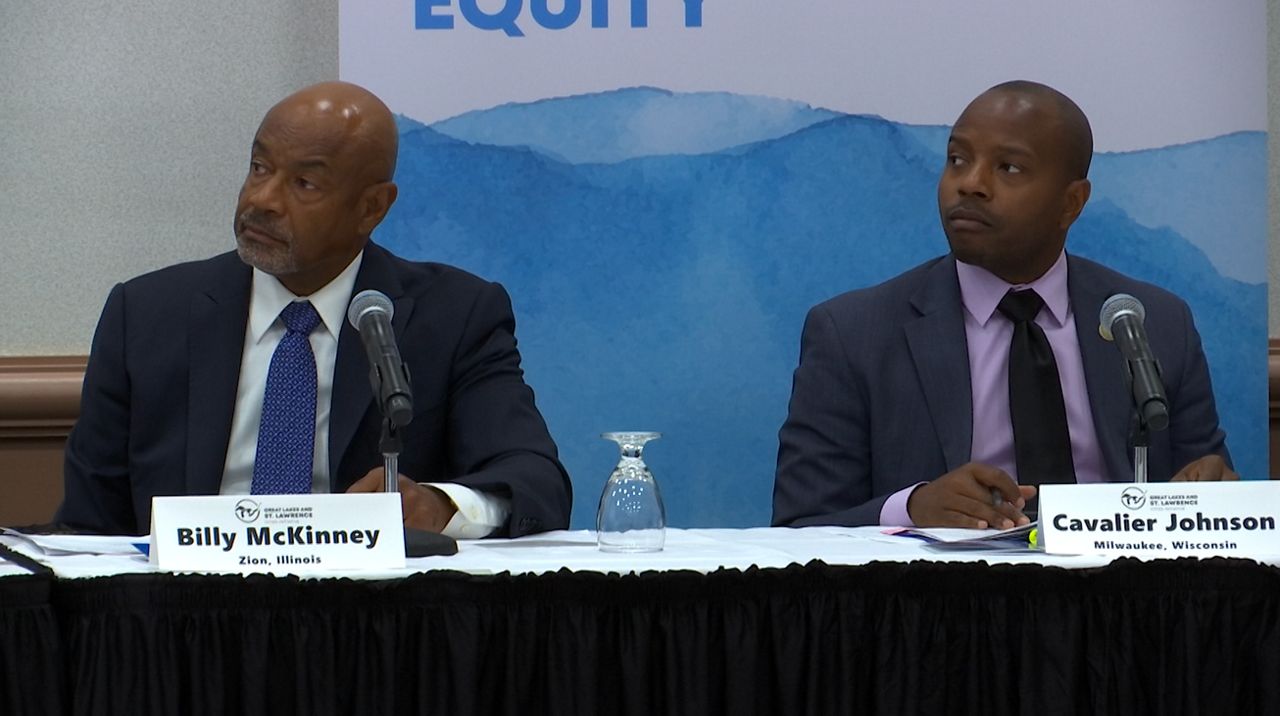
{"points": [[940, 352], [1103, 368], [352, 396], [215, 344]]}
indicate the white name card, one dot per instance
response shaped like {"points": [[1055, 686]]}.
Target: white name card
{"points": [[277, 533], [1162, 519]]}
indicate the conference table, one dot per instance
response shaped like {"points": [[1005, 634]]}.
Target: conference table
{"points": [[751, 621]]}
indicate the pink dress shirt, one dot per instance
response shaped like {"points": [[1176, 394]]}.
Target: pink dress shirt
{"points": [[988, 334]]}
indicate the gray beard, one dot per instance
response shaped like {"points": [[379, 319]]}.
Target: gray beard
{"points": [[275, 263]]}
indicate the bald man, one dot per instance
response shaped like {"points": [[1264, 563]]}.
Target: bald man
{"points": [[240, 374], [905, 406]]}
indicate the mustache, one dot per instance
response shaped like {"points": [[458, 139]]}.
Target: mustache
{"points": [[259, 222], [967, 210]]}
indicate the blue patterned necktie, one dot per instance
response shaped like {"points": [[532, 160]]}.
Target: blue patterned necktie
{"points": [[287, 435]]}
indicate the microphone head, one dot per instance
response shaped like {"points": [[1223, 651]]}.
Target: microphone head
{"points": [[366, 301], [1121, 304]]}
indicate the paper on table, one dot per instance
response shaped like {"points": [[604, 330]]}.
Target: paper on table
{"points": [[942, 540], [76, 544]]}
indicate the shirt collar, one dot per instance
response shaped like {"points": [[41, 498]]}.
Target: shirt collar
{"points": [[269, 297], [982, 290]]}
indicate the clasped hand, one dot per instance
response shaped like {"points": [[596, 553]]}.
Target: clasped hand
{"points": [[1210, 468], [964, 498], [425, 508]]}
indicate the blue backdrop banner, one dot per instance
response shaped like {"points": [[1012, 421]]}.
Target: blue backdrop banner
{"points": [[665, 188]]}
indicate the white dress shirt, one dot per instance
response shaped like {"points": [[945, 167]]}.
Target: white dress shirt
{"points": [[478, 513]]}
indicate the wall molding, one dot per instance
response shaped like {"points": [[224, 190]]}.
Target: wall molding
{"points": [[39, 395], [1273, 379]]}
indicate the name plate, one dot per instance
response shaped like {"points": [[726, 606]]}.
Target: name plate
{"points": [[277, 533], [1161, 519]]}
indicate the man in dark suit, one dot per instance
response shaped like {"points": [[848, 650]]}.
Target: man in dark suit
{"points": [[193, 385], [902, 408]]}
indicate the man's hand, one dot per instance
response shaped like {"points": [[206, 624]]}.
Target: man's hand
{"points": [[425, 508], [1210, 468], [964, 498]]}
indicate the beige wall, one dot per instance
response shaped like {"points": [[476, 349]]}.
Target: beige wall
{"points": [[123, 138]]}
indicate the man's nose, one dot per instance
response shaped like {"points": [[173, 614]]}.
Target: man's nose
{"points": [[975, 181], [264, 194]]}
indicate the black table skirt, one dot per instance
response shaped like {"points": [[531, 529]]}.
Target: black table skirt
{"points": [[30, 649], [1177, 637]]}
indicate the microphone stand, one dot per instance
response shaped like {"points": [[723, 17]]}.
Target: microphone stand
{"points": [[417, 543], [390, 446], [1140, 438], [1139, 431]]}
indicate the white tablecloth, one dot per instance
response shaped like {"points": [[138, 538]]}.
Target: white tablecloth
{"points": [[700, 550]]}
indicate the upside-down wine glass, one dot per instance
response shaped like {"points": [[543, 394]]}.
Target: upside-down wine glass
{"points": [[631, 517]]}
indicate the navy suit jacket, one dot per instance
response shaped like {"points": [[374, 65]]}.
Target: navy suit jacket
{"points": [[160, 390], [881, 399]]}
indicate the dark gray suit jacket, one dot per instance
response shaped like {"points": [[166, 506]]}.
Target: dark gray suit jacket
{"points": [[160, 389], [881, 399]]}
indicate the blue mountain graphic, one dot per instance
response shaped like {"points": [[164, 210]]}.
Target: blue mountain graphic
{"points": [[633, 122], [1212, 192], [668, 292]]}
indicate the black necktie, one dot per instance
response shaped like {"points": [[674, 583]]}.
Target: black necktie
{"points": [[1041, 443]]}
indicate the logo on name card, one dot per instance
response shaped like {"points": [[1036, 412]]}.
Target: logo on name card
{"points": [[1175, 501], [247, 511], [1133, 498], [288, 514]]}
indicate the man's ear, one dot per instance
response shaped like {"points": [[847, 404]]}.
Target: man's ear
{"points": [[1077, 195], [374, 205]]}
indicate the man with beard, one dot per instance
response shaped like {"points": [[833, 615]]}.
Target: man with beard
{"points": [[943, 396], [240, 374]]}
